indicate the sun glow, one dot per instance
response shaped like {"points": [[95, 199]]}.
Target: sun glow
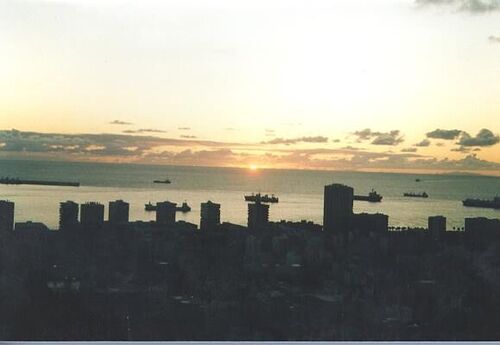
{"points": [[253, 167]]}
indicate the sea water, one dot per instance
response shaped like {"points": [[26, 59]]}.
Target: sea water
{"points": [[300, 192]]}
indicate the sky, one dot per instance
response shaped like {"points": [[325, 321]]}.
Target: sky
{"points": [[373, 85]]}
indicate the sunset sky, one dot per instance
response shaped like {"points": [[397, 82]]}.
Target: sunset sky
{"points": [[392, 85]]}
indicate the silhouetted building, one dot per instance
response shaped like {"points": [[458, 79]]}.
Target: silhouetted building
{"points": [[6, 215], [436, 226], [481, 224], [337, 209], [92, 214], [209, 215], [68, 214], [258, 215], [377, 223], [35, 227], [118, 212], [165, 212], [481, 230]]}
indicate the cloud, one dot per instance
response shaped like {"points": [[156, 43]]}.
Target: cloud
{"points": [[151, 149], [366, 134], [423, 143], [336, 140], [461, 149], [494, 39], [464, 149], [485, 137], [391, 138], [338, 159], [470, 162], [144, 130], [75, 145], [230, 129], [317, 139], [192, 157], [409, 149], [118, 122], [475, 6], [184, 128], [446, 134], [374, 161], [188, 136]]}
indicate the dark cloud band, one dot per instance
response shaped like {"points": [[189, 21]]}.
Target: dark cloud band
{"points": [[446, 134], [151, 149], [317, 139], [485, 137], [119, 122], [391, 138]]}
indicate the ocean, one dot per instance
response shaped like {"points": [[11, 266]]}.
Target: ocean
{"points": [[300, 192]]}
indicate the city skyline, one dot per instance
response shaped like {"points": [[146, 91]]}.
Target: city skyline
{"points": [[338, 215], [228, 170], [356, 277], [387, 85]]}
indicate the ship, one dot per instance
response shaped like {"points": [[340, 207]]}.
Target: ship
{"points": [[495, 203], [416, 195], [166, 181], [373, 196], [149, 207], [18, 181], [261, 198], [417, 180], [183, 208]]}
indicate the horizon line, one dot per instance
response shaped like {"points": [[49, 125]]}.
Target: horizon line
{"points": [[401, 171]]}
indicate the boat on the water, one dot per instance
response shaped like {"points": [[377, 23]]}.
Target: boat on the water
{"points": [[417, 180], [261, 198], [166, 181], [495, 203], [18, 181], [416, 195], [373, 196], [184, 208], [149, 207]]}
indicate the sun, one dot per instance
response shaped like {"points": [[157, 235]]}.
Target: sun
{"points": [[253, 167]]}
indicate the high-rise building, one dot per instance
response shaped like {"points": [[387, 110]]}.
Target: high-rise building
{"points": [[436, 226], [337, 208], [209, 216], [68, 214], [92, 214], [481, 231], [118, 212], [6, 215], [258, 215], [165, 212], [480, 226]]}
